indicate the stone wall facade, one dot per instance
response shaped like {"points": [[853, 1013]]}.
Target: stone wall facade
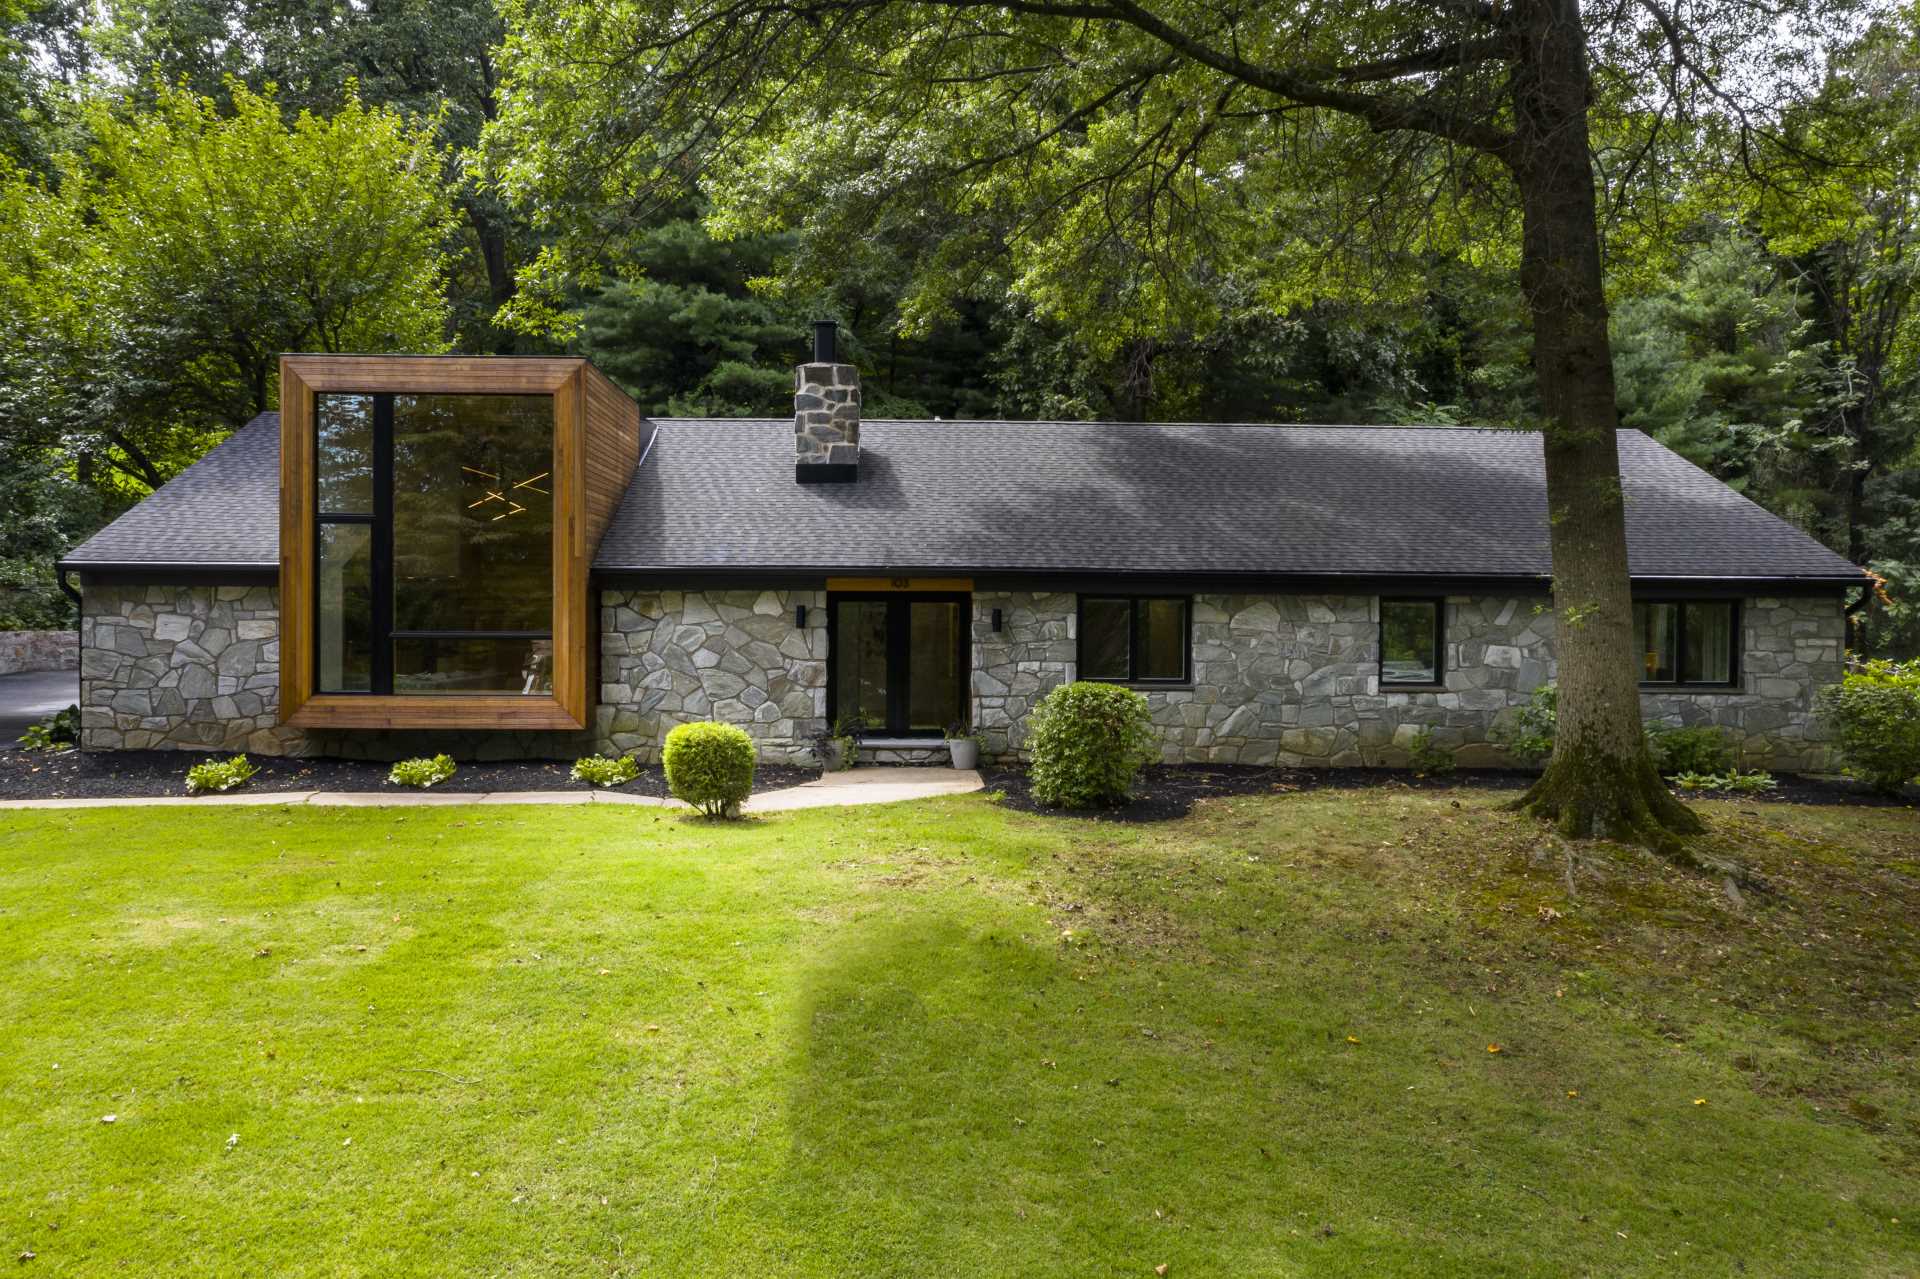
{"points": [[1015, 666], [1294, 679], [181, 667], [197, 668], [39, 651], [1286, 679], [1790, 648], [673, 657]]}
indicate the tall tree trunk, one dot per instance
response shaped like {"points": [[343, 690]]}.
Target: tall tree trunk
{"points": [[490, 230], [1601, 781]]}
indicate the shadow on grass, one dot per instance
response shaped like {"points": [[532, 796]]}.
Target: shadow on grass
{"points": [[964, 1104]]}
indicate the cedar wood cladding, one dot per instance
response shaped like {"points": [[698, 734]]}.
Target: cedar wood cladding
{"points": [[595, 444]]}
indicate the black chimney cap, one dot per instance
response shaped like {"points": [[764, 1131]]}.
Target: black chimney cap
{"points": [[824, 333]]}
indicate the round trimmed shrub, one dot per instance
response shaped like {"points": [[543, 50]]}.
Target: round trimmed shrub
{"points": [[1089, 741], [709, 766]]}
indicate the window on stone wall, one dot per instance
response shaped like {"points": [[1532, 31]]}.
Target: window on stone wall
{"points": [[1411, 635], [1686, 641], [1135, 639]]}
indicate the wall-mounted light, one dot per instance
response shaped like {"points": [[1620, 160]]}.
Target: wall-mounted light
{"points": [[996, 620], [800, 616]]}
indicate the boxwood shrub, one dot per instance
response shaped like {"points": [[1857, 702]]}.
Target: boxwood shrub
{"points": [[709, 766], [1089, 741], [1874, 713]]}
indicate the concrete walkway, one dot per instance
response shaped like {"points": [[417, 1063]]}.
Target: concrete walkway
{"points": [[28, 697], [834, 790]]}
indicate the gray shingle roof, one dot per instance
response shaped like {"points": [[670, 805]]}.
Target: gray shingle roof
{"points": [[221, 512], [1169, 500], [1061, 497]]}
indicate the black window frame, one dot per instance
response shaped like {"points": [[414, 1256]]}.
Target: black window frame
{"points": [[380, 519], [1439, 605], [1680, 644], [1133, 603], [899, 657]]}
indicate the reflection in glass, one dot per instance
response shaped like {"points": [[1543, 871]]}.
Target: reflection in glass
{"points": [[1163, 640], [472, 512], [860, 664], [1709, 658], [1655, 636], [343, 453], [934, 679], [346, 608], [493, 664], [1105, 645], [1409, 632]]}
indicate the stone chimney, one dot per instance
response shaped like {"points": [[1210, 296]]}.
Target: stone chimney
{"points": [[826, 414]]}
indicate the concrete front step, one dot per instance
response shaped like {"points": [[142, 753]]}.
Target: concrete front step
{"points": [[911, 751]]}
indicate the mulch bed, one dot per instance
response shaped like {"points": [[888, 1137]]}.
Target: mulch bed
{"points": [[139, 774], [1168, 791]]}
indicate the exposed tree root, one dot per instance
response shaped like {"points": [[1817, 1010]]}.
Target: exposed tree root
{"points": [[1627, 803]]}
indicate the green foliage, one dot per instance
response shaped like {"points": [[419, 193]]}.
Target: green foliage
{"points": [[710, 766], [145, 299], [1700, 749], [429, 60], [1723, 366], [1089, 741], [219, 775], [47, 511], [57, 732], [1427, 757], [598, 770], [1731, 782], [1527, 732], [1874, 713], [422, 773]]}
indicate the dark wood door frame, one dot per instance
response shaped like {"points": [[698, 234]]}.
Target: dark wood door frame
{"points": [[899, 653]]}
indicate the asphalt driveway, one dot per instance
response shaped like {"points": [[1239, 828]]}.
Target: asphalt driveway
{"points": [[30, 697]]}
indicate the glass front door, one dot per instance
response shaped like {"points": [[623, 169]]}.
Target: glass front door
{"points": [[899, 663]]}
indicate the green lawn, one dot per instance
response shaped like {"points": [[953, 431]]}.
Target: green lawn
{"points": [[946, 1039]]}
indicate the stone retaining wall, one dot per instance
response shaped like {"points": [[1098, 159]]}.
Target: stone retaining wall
{"points": [[22, 651]]}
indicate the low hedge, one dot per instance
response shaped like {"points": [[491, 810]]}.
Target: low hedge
{"points": [[710, 766], [1874, 713]]}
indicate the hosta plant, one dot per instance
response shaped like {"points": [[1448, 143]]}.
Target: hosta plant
{"points": [[422, 773], [598, 770], [219, 775]]}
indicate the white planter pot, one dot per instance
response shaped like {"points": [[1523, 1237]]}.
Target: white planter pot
{"points": [[965, 752]]}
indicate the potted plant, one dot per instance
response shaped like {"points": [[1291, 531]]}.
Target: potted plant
{"points": [[837, 749], [963, 747]]}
